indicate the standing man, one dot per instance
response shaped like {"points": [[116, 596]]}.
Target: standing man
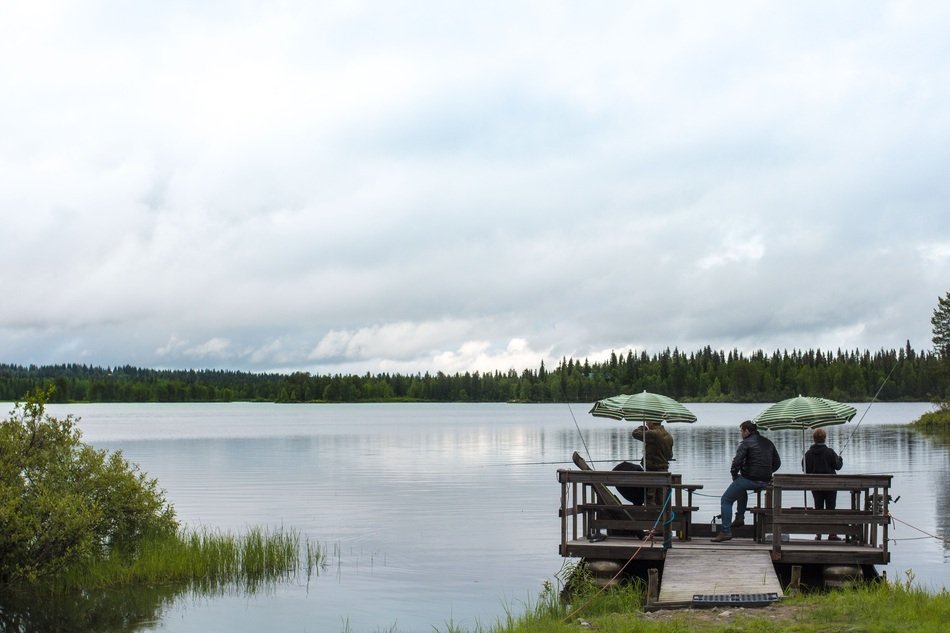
{"points": [[657, 453], [821, 459], [752, 467]]}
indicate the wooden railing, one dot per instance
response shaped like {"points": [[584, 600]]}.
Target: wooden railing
{"points": [[591, 510], [861, 516]]}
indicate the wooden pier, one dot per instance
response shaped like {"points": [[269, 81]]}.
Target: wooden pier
{"points": [[778, 548], [711, 571]]}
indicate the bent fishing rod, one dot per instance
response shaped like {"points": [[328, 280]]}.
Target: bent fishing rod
{"points": [[577, 426], [886, 378], [590, 459]]}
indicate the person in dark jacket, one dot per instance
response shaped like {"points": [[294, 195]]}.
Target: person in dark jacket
{"points": [[657, 453], [752, 467], [822, 460]]}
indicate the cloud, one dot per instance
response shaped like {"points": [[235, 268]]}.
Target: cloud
{"points": [[372, 186], [396, 341]]}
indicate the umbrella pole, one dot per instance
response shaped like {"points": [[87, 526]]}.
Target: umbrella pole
{"points": [[804, 492], [803, 449], [643, 448]]}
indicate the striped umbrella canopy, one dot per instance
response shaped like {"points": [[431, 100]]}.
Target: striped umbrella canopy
{"points": [[804, 412], [642, 407]]}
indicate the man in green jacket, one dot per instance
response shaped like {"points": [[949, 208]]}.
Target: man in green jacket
{"points": [[657, 453]]}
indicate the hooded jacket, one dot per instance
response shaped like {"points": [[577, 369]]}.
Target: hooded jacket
{"points": [[821, 460], [657, 447], [756, 458]]}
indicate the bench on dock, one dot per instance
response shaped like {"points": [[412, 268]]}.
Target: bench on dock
{"points": [[862, 518], [589, 507]]}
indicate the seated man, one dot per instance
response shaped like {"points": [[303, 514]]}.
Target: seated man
{"points": [[752, 467], [631, 493]]}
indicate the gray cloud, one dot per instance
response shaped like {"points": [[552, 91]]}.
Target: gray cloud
{"points": [[402, 187]]}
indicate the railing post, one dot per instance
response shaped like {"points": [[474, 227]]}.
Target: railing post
{"points": [[887, 520], [563, 518], [574, 508], [776, 520]]}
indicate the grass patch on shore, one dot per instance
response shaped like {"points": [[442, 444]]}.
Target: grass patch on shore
{"points": [[934, 421], [871, 607], [207, 560]]}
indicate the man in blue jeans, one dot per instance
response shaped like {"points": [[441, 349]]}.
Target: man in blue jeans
{"points": [[752, 467]]}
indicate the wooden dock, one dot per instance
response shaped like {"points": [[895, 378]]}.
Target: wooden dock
{"points": [[746, 575], [679, 557]]}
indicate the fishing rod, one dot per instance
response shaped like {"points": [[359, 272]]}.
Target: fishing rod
{"points": [[848, 441], [577, 426], [563, 461]]}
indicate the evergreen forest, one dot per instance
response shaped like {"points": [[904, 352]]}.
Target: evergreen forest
{"points": [[702, 376]]}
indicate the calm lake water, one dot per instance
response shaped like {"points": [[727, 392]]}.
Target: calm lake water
{"points": [[446, 514]]}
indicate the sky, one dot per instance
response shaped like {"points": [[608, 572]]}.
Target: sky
{"points": [[411, 187]]}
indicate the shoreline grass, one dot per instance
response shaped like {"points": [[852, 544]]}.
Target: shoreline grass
{"points": [[208, 560], [879, 606], [934, 421]]}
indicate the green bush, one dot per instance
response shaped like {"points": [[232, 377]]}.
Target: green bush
{"points": [[62, 501], [936, 421]]}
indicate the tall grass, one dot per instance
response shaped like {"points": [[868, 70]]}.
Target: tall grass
{"points": [[207, 560], [900, 606], [888, 606]]}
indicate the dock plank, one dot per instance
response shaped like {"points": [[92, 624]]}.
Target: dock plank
{"points": [[713, 571]]}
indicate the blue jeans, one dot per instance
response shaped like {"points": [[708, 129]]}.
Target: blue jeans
{"points": [[738, 493]]}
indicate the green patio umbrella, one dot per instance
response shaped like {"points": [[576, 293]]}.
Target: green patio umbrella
{"points": [[642, 407], [804, 412]]}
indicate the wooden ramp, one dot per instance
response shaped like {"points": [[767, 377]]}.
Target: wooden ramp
{"points": [[720, 575]]}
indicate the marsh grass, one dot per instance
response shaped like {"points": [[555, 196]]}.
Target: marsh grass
{"points": [[316, 558], [209, 561]]}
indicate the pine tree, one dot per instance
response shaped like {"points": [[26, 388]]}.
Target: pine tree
{"points": [[941, 340], [941, 326]]}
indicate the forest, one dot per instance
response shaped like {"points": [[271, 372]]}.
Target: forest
{"points": [[705, 375]]}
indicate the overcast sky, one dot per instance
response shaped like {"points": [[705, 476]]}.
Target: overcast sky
{"points": [[436, 186]]}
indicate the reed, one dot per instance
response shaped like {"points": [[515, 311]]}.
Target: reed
{"points": [[207, 560], [316, 558]]}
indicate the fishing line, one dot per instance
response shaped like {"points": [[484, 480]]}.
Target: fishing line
{"points": [[848, 441], [577, 426], [894, 518], [551, 463], [647, 538]]}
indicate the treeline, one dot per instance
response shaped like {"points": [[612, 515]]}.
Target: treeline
{"points": [[706, 375]]}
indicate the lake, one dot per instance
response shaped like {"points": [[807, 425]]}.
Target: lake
{"points": [[445, 515]]}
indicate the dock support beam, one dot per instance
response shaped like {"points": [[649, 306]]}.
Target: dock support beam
{"points": [[653, 585], [796, 583]]}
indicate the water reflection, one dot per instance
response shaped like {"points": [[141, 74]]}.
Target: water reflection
{"points": [[25, 609], [941, 444], [123, 610], [448, 512]]}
